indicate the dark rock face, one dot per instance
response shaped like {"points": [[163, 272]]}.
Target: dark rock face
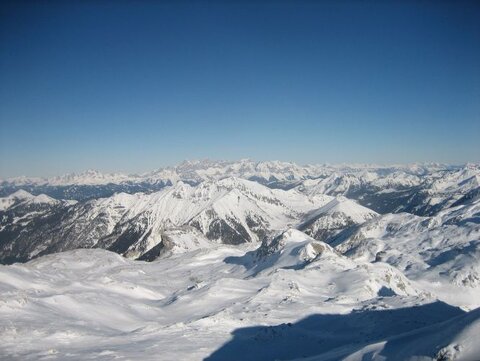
{"points": [[230, 233], [125, 240], [49, 229], [322, 234], [165, 245], [411, 200], [470, 197], [274, 183], [24, 228], [259, 226], [153, 253], [399, 200], [326, 232], [64, 227]]}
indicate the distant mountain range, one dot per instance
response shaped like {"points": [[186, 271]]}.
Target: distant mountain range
{"points": [[417, 188]]}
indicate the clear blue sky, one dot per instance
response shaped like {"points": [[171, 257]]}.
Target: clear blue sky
{"points": [[134, 86]]}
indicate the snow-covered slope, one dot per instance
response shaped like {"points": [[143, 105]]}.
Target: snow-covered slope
{"points": [[295, 250], [443, 251], [94, 304], [454, 339], [338, 215], [401, 189], [24, 198], [238, 269]]}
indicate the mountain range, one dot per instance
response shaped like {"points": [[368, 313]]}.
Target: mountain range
{"points": [[277, 253]]}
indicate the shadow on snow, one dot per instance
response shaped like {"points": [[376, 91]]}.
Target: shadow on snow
{"points": [[335, 334]]}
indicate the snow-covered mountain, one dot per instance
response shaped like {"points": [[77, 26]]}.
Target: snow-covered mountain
{"points": [[443, 251], [230, 210], [393, 190], [23, 198], [340, 214], [307, 300], [189, 171], [246, 261], [416, 188], [226, 209]]}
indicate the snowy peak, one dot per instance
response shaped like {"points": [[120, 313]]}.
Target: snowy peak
{"points": [[292, 249], [25, 198], [331, 179], [342, 205], [422, 189], [89, 177], [231, 211], [336, 216], [286, 239], [21, 195], [18, 196]]}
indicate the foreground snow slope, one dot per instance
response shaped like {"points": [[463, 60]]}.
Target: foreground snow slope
{"points": [[459, 333], [292, 295]]}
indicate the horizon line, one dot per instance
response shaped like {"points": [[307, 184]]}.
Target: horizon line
{"points": [[7, 179]]}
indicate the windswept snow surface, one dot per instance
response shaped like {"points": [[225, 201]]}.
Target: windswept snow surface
{"points": [[290, 298], [442, 252]]}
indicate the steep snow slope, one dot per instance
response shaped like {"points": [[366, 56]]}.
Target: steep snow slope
{"points": [[442, 251], [87, 304], [337, 215]]}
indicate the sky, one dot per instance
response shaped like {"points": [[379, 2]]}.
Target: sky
{"points": [[134, 86]]}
